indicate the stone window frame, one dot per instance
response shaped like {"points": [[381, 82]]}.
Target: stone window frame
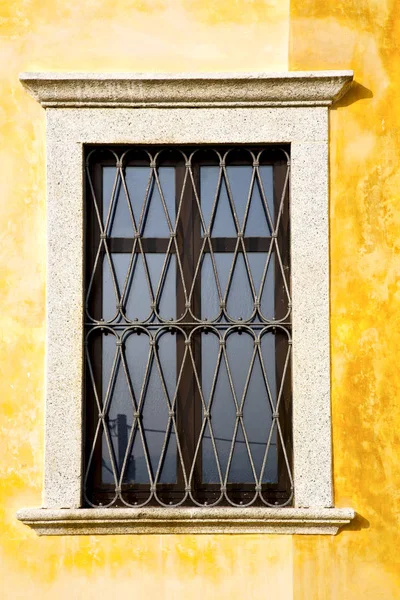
{"points": [[261, 108]]}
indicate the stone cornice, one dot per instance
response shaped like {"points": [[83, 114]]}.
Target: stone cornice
{"points": [[121, 90], [185, 520]]}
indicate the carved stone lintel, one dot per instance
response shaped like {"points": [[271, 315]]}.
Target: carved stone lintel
{"points": [[91, 90]]}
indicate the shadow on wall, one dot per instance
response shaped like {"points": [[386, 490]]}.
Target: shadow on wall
{"points": [[358, 523], [356, 92]]}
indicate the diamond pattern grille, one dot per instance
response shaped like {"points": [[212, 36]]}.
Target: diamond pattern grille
{"points": [[188, 327]]}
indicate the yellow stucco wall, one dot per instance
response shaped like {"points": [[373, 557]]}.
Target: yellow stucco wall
{"points": [[175, 35], [365, 278]]}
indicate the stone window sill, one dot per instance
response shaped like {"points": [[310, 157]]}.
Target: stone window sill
{"points": [[83, 521]]}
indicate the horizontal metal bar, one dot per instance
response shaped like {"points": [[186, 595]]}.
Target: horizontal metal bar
{"points": [[160, 245], [271, 325]]}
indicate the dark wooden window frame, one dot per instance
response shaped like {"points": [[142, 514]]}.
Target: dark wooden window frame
{"points": [[189, 411]]}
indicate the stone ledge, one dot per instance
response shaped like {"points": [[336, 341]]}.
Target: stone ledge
{"points": [[84, 521], [94, 90]]}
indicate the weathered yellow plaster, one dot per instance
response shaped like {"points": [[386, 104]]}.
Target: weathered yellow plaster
{"points": [[365, 267], [101, 35], [206, 35], [141, 35]]}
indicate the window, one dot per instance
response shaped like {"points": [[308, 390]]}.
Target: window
{"points": [[188, 327], [126, 124]]}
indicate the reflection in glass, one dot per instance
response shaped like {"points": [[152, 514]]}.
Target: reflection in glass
{"points": [[242, 185], [113, 282], [147, 391], [114, 388], [143, 191], [222, 408], [222, 224], [156, 223], [165, 285], [258, 219], [240, 297], [137, 295], [210, 302], [251, 396]]}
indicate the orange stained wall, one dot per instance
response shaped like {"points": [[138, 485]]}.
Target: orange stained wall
{"points": [[214, 35]]}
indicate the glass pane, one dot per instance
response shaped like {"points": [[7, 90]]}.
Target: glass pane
{"points": [[257, 414], [239, 348], [120, 223], [137, 471], [156, 224], [120, 263], [137, 355], [208, 190], [112, 387], [267, 301], [240, 470], [256, 407], [137, 296], [223, 225], [210, 465], [120, 417], [269, 360], [137, 183], [168, 468], [240, 298], [210, 302], [139, 180], [223, 412], [268, 353], [267, 179], [257, 262], [239, 181], [111, 184], [167, 283], [120, 412], [257, 224], [155, 409], [209, 356], [239, 178]]}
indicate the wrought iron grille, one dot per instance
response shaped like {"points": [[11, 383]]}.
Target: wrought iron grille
{"points": [[188, 334]]}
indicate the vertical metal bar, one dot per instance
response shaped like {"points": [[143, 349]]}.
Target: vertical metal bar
{"points": [[122, 435]]}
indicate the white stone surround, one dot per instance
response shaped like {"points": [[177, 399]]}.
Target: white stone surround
{"points": [[188, 109]]}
